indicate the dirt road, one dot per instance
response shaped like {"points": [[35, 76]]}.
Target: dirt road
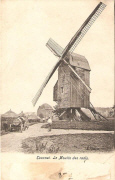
{"points": [[12, 142]]}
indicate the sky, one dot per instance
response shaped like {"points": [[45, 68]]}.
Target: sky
{"points": [[25, 60]]}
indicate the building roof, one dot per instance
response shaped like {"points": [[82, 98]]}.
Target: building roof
{"points": [[22, 113], [45, 106], [79, 61], [9, 114], [33, 116], [29, 113]]}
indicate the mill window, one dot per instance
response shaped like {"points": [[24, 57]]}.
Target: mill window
{"points": [[61, 89]]}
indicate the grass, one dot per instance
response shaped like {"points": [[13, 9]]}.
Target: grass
{"points": [[83, 125], [70, 143]]}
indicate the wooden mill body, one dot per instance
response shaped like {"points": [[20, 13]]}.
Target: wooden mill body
{"points": [[69, 92]]}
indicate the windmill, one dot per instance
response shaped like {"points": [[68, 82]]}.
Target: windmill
{"points": [[72, 90]]}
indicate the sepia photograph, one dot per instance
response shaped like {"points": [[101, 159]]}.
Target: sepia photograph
{"points": [[57, 87]]}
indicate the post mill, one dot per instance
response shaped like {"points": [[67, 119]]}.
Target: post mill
{"points": [[72, 90]]}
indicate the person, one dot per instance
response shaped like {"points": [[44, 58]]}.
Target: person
{"points": [[23, 120], [49, 124], [26, 123]]}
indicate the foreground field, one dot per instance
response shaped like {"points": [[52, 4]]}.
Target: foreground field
{"points": [[69, 143], [83, 125], [37, 139]]}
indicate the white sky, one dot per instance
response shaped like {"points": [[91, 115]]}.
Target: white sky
{"points": [[26, 61]]}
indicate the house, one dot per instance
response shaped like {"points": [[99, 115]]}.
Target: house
{"points": [[21, 114], [44, 111], [105, 111], [8, 117], [33, 118]]}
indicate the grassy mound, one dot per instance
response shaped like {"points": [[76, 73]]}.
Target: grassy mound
{"points": [[70, 143]]}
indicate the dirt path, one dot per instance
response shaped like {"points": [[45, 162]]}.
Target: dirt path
{"points": [[12, 142]]}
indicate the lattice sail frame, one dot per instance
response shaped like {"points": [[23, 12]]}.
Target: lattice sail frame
{"points": [[87, 26]]}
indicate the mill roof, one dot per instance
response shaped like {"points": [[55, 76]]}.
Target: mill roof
{"points": [[79, 61], [74, 59]]}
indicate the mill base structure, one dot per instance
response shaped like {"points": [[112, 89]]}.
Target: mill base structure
{"points": [[77, 114]]}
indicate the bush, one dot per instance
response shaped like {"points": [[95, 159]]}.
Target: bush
{"points": [[83, 125]]}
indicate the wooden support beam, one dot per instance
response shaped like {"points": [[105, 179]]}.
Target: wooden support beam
{"points": [[83, 115], [62, 113], [95, 112]]}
